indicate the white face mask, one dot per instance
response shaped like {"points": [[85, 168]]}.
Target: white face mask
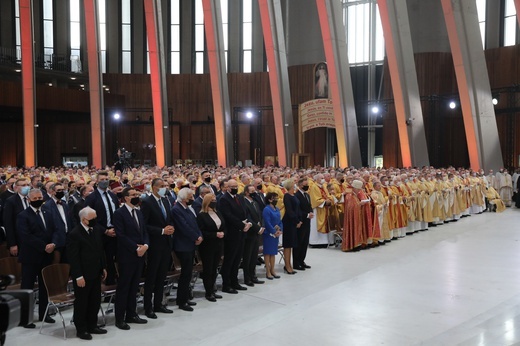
{"points": [[386, 183], [322, 181]]}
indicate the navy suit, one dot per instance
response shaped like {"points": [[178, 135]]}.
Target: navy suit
{"points": [[159, 254], [250, 256], [12, 207], [34, 236], [197, 205], [211, 186], [303, 234], [186, 233], [129, 235], [62, 227]]}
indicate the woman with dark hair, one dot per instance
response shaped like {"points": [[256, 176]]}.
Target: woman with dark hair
{"points": [[291, 224], [273, 230]]}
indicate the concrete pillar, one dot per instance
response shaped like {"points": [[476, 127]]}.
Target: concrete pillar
{"points": [[493, 20], [517, 7], [113, 60], [330, 14], [62, 29], [272, 26], [399, 51], [219, 82], [138, 38], [473, 82], [258, 40], [187, 13], [7, 23], [154, 30], [234, 35], [427, 26]]}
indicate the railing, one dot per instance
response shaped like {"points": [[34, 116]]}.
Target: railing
{"points": [[55, 62]]}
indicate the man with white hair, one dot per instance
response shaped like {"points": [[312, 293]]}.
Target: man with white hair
{"points": [[320, 201]]}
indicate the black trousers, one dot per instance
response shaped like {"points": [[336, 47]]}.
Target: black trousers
{"points": [[233, 249], [250, 257], [183, 286], [300, 252], [126, 291], [31, 271], [110, 258], [86, 304], [156, 270], [210, 252]]}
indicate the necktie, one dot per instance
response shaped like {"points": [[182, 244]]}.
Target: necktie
{"points": [[40, 215], [90, 231], [236, 200], [160, 201], [307, 196], [25, 204], [110, 210], [134, 215]]}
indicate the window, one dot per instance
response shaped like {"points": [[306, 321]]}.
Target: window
{"points": [[17, 29], [225, 28], [102, 17], [199, 37], [175, 33], [126, 36], [510, 23], [247, 36], [48, 32], [75, 36], [481, 9]]}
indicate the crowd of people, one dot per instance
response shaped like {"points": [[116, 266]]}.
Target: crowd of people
{"points": [[114, 226]]}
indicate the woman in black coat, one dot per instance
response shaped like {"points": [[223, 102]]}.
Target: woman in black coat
{"points": [[212, 225]]}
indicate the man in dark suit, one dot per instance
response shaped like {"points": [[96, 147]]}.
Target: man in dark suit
{"points": [[206, 182], [232, 207], [132, 244], [38, 239], [105, 203], [250, 255], [197, 203], [223, 185], [14, 205], [85, 191], [300, 252], [87, 269], [158, 220], [259, 195], [9, 191], [186, 237], [59, 209]]}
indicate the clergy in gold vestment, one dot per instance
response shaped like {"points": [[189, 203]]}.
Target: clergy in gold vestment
{"points": [[320, 201], [357, 223], [274, 187]]}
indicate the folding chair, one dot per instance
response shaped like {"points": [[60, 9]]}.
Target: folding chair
{"points": [[10, 266]]}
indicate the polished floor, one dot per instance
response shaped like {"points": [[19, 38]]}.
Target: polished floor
{"points": [[456, 284]]}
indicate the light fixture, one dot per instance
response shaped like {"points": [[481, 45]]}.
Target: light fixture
{"points": [[50, 84], [375, 110], [117, 116], [73, 78], [249, 115], [82, 85], [495, 101], [18, 70], [452, 105]]}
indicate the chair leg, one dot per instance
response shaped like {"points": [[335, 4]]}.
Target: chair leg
{"points": [[108, 309], [62, 322], [44, 316], [103, 314]]}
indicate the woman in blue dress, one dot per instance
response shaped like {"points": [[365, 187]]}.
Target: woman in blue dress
{"points": [[273, 230]]}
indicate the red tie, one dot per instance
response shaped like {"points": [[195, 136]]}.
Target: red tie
{"points": [[236, 200]]}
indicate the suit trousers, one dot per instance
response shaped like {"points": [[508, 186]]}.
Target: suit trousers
{"points": [[110, 245], [300, 252], [29, 273], [126, 301], [210, 252], [183, 286], [233, 249], [156, 269], [86, 304], [250, 257]]}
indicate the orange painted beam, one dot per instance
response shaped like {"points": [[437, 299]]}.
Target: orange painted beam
{"points": [[155, 77], [28, 82], [397, 86], [462, 82], [97, 122]]}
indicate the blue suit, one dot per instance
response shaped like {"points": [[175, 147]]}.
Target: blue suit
{"points": [[61, 227]]}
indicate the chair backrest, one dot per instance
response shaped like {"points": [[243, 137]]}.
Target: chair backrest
{"points": [[56, 278], [10, 266]]}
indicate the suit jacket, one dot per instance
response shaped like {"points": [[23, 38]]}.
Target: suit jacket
{"points": [[197, 192], [305, 205], [85, 253], [95, 201], [51, 207], [155, 222], [34, 235], [13, 206], [172, 197], [75, 212], [254, 215], [234, 214], [129, 235], [209, 228], [186, 229], [197, 205], [260, 199]]}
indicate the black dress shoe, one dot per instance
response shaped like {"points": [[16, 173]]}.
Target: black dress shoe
{"points": [[211, 298], [239, 287], [288, 272], [151, 314], [122, 325], [30, 326], [98, 330], [229, 290], [136, 319], [256, 281], [49, 319], [306, 266], [218, 296], [276, 276], [164, 310], [190, 303], [84, 336], [299, 267], [185, 307], [250, 283]]}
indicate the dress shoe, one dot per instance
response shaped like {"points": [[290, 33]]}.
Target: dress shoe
{"points": [[256, 281], [30, 326], [249, 283], [84, 336], [136, 319], [190, 303], [306, 266], [276, 276], [229, 290], [218, 296], [122, 325], [288, 272], [49, 319], [98, 330], [185, 307], [299, 267], [239, 287], [163, 309], [151, 314], [268, 277], [211, 298]]}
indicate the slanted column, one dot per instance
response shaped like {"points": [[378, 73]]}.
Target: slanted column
{"points": [[272, 27], [473, 82], [330, 13], [156, 48], [219, 82], [401, 63], [517, 7], [95, 84]]}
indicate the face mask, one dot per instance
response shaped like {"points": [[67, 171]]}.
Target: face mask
{"points": [[60, 194], [92, 223], [119, 195], [212, 204], [305, 188], [322, 181], [25, 190], [259, 187], [172, 186], [143, 196], [39, 185], [125, 181], [274, 202], [3, 177], [342, 181], [37, 204], [162, 191], [207, 180], [189, 202], [103, 185], [135, 201], [148, 187], [233, 191]]}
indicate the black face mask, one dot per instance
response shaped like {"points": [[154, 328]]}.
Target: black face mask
{"points": [[39, 185], [212, 205], [185, 186], [3, 177], [119, 195], [172, 186], [274, 202], [207, 180], [189, 202], [342, 181], [125, 181], [60, 194], [233, 191], [259, 187], [305, 188], [135, 201], [252, 194], [92, 223], [37, 204]]}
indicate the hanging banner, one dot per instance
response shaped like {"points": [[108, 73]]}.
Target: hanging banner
{"points": [[316, 113]]}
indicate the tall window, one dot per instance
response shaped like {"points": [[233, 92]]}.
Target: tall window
{"points": [[247, 36], [509, 23], [126, 36], [48, 32], [481, 9], [175, 33], [75, 36], [225, 27], [199, 37], [17, 29], [102, 16]]}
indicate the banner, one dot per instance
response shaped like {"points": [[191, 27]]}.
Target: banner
{"points": [[316, 113]]}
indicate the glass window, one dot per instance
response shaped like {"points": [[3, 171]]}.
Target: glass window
{"points": [[126, 36], [510, 25], [481, 10], [17, 29], [199, 37], [175, 33], [75, 36], [247, 36], [102, 34], [48, 28], [247, 62]]}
